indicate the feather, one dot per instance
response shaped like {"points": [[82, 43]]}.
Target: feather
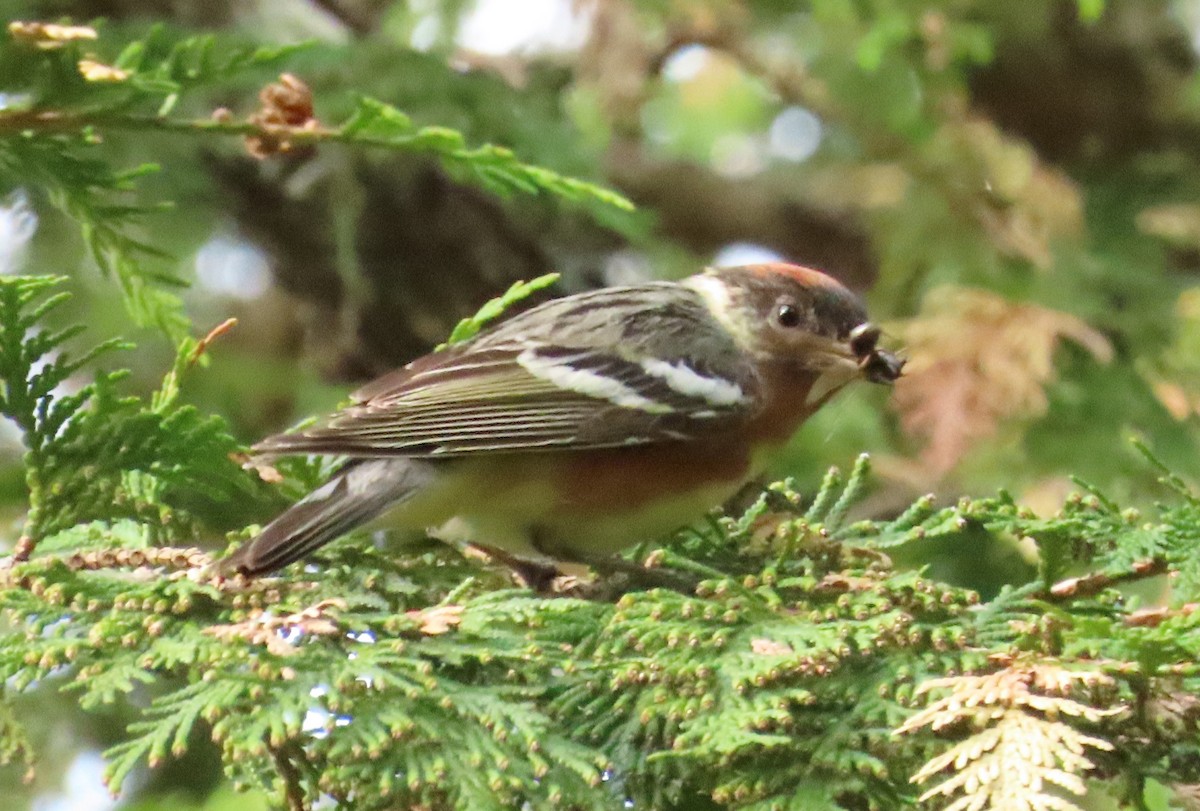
{"points": [[357, 493], [539, 381]]}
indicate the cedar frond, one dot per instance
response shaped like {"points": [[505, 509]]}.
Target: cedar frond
{"points": [[1022, 752]]}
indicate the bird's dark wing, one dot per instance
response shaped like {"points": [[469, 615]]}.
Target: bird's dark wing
{"points": [[520, 389]]}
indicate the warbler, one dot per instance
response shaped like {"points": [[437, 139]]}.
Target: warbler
{"points": [[587, 423]]}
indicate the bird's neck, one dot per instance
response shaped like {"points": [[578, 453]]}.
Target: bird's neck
{"points": [[792, 396]]}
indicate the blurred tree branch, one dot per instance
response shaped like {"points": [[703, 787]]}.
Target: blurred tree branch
{"points": [[704, 211], [1090, 92]]}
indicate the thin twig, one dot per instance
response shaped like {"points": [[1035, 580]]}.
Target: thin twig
{"points": [[1152, 617], [17, 122], [1093, 583], [213, 334], [293, 791], [24, 548]]}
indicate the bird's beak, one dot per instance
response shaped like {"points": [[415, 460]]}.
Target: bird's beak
{"points": [[875, 364]]}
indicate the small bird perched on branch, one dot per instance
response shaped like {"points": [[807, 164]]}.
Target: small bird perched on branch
{"points": [[588, 423]]}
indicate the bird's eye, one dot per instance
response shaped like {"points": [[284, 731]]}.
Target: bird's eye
{"points": [[787, 315]]}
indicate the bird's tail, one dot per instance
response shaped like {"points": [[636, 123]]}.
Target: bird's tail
{"points": [[356, 494]]}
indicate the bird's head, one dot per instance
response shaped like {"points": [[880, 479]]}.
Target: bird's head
{"points": [[797, 317]]}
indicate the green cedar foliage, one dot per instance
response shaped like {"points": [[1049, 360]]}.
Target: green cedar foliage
{"points": [[776, 672], [93, 453], [61, 103], [773, 659], [493, 309]]}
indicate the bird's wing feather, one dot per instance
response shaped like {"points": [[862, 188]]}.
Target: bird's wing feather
{"points": [[520, 391]]}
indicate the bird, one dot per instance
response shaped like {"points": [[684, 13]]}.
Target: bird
{"points": [[586, 424]]}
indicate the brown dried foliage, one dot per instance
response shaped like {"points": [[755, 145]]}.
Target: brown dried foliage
{"points": [[48, 36], [287, 105], [276, 633], [437, 620], [976, 359]]}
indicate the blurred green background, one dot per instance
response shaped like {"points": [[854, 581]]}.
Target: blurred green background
{"points": [[1013, 188]]}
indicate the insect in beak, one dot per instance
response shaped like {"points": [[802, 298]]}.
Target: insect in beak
{"points": [[877, 365]]}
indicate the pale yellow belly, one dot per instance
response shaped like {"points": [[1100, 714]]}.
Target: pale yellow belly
{"points": [[546, 503]]}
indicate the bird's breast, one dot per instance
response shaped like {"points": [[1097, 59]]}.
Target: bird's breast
{"points": [[790, 398]]}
